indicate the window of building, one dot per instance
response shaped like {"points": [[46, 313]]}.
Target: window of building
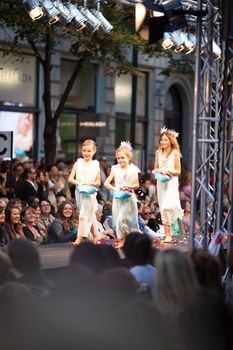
{"points": [[17, 80], [82, 95], [123, 100], [173, 111]]}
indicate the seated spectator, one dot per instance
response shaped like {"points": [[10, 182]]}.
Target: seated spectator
{"points": [[12, 223], [30, 230], [45, 219], [185, 182], [102, 232], [186, 218], [62, 228], [26, 260], [208, 271], [138, 252], [4, 236], [15, 202]]}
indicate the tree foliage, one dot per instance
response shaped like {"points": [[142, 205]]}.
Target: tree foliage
{"points": [[108, 49]]}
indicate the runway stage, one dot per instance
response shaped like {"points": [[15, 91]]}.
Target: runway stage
{"points": [[57, 255]]}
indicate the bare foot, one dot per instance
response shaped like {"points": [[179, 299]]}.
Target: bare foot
{"points": [[167, 240], [94, 240]]}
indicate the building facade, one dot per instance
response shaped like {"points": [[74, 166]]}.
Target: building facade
{"points": [[98, 107]]}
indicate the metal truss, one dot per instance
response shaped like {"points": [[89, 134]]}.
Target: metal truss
{"points": [[212, 130]]}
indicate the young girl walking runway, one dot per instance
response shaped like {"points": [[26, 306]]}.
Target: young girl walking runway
{"points": [[167, 162], [125, 178], [85, 175]]}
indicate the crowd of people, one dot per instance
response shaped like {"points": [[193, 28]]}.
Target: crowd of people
{"points": [[32, 197], [165, 298]]}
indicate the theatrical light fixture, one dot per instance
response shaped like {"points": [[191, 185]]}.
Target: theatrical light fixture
{"points": [[105, 25], [174, 14], [189, 41], [51, 11], [79, 21], [93, 23], [167, 42], [216, 51], [33, 8], [66, 15], [178, 41]]}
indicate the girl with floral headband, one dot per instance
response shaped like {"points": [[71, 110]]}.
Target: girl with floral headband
{"points": [[167, 162], [85, 175], [125, 178]]}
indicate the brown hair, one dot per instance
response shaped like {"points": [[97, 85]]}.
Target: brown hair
{"points": [[29, 209], [67, 223], [13, 229]]}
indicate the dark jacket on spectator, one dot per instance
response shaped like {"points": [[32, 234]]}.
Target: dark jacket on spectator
{"points": [[4, 237], [58, 234]]}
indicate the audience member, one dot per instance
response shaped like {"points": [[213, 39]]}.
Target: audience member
{"points": [[4, 236], [62, 228], [13, 225], [30, 230], [138, 252]]}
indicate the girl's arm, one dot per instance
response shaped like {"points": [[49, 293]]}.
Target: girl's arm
{"points": [[133, 186], [156, 163], [175, 172], [108, 181], [71, 178], [97, 181]]}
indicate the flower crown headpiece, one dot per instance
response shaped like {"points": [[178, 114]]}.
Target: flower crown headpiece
{"points": [[126, 144], [168, 131]]}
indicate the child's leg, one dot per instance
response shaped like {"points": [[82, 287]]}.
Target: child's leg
{"points": [[94, 234], [78, 240], [167, 225]]}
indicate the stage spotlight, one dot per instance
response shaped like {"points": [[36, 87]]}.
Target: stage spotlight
{"points": [[51, 11], [105, 25], [79, 21], [178, 41], [174, 14], [216, 51], [167, 42], [149, 25], [93, 23], [189, 41], [33, 8], [66, 15]]}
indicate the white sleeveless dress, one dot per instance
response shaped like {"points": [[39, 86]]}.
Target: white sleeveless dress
{"points": [[86, 172], [168, 193], [125, 212]]}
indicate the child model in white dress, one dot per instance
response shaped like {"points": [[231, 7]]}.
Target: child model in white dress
{"points": [[125, 178], [86, 172], [167, 162]]}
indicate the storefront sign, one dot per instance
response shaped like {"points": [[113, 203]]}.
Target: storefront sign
{"points": [[6, 138]]}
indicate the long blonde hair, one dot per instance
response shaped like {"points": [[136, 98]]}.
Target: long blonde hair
{"points": [[177, 284]]}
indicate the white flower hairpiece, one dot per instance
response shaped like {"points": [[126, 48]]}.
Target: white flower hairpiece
{"points": [[168, 131], [126, 144]]}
